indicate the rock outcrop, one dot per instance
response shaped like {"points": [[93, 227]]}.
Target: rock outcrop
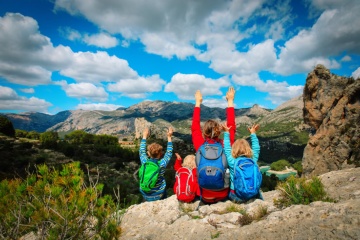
{"points": [[169, 219], [332, 108]]}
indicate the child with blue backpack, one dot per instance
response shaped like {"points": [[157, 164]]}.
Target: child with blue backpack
{"points": [[207, 144], [153, 165], [245, 175]]}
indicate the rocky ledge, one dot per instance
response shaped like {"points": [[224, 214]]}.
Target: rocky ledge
{"points": [[169, 219]]}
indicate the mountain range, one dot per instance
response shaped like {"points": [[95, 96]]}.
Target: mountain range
{"points": [[282, 129]]}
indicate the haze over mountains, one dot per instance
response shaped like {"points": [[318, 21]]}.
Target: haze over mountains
{"points": [[121, 122]]}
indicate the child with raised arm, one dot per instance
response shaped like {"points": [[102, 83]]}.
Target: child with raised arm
{"points": [[210, 134], [153, 164], [241, 149]]}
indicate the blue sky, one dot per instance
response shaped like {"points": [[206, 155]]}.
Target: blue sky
{"points": [[60, 55]]}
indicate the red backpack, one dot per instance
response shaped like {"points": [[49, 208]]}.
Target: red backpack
{"points": [[186, 185]]}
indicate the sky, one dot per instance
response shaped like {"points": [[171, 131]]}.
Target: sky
{"points": [[58, 55]]}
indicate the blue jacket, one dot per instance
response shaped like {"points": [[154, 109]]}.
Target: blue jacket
{"points": [[231, 160]]}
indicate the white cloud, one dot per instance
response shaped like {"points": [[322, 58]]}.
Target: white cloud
{"points": [[346, 58], [70, 34], [137, 88], [102, 40], [27, 90], [98, 67], [279, 92], [335, 31], [98, 106], [9, 100], [261, 56], [26, 56], [185, 85], [84, 90], [212, 102], [356, 73], [166, 27]]}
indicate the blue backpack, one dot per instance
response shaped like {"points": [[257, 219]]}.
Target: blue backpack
{"points": [[247, 178], [211, 164]]}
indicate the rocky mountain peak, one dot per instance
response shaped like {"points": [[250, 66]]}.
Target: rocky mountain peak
{"points": [[332, 108]]}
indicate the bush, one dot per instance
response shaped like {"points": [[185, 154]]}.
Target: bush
{"points": [[298, 167], [49, 140], [6, 127], [280, 165], [57, 205], [299, 191]]}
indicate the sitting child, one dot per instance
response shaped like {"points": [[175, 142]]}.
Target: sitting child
{"points": [[186, 184], [152, 170], [242, 160]]}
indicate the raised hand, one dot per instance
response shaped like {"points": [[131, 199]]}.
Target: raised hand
{"points": [[224, 127], [230, 95], [177, 156], [170, 132], [254, 128], [198, 98], [146, 133]]}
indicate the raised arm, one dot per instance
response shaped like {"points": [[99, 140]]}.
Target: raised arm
{"points": [[178, 162], [169, 149], [142, 150], [227, 146], [230, 114], [196, 133], [255, 146]]}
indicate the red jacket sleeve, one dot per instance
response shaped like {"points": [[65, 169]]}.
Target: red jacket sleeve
{"points": [[178, 164], [196, 133], [230, 121]]}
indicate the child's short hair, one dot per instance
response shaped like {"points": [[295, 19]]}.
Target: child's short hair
{"points": [[241, 147], [189, 161], [212, 129], [155, 150]]}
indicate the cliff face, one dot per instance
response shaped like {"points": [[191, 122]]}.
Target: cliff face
{"points": [[169, 219], [332, 108]]}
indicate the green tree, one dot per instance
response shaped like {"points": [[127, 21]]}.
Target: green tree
{"points": [[20, 133], [57, 204], [298, 167], [49, 140], [280, 165], [33, 135], [6, 126]]}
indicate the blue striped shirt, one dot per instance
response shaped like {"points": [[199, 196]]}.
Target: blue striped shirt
{"points": [[161, 183], [231, 160]]}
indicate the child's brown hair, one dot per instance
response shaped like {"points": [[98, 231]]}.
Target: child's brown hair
{"points": [[212, 129], [241, 147], [155, 150], [189, 162]]}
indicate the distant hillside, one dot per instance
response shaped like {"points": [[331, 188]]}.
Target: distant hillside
{"points": [[281, 129]]}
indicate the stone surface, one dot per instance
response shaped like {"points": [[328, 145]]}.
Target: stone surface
{"points": [[332, 108], [169, 219]]}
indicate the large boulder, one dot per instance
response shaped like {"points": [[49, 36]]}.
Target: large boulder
{"points": [[332, 109], [169, 219]]}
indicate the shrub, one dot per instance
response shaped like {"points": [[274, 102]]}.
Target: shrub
{"points": [[49, 140], [299, 191], [298, 167], [6, 126], [280, 165], [57, 205]]}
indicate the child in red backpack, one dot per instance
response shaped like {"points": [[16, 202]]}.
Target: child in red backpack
{"points": [[210, 133], [186, 186]]}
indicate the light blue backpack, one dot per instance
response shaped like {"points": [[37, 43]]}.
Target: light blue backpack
{"points": [[247, 178]]}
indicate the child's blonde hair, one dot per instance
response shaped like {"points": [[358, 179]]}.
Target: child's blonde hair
{"points": [[241, 147], [155, 150], [189, 161]]}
